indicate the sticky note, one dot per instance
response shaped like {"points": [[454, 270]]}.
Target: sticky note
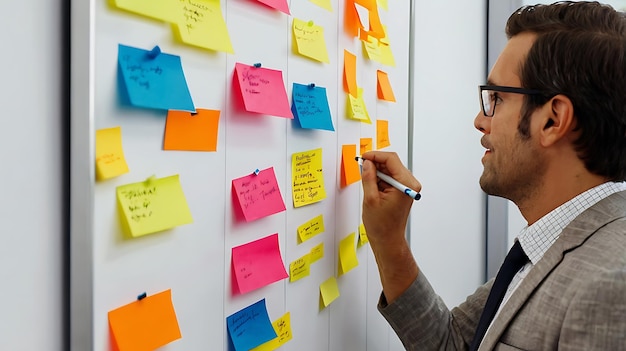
{"points": [[384, 90], [310, 107], [329, 291], [282, 327], [200, 23], [309, 40], [280, 5], [317, 252], [362, 235], [258, 195], [262, 90], [152, 79], [366, 145], [250, 327], [347, 254], [163, 10], [311, 228], [307, 177], [352, 24], [153, 205], [145, 324], [191, 132], [357, 109], [350, 172], [257, 264], [325, 4], [110, 160], [384, 4], [382, 134], [349, 73], [300, 268]]}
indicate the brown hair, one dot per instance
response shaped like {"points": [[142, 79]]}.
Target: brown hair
{"points": [[580, 53]]}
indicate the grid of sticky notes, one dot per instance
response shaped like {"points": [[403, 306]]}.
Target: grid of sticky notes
{"points": [[151, 79]]}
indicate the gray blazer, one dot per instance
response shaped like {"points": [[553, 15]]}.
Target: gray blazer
{"points": [[574, 298]]}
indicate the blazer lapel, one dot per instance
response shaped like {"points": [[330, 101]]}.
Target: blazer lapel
{"points": [[572, 236]]}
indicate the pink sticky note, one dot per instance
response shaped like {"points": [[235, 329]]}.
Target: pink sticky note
{"points": [[262, 90], [280, 5], [257, 264], [258, 195]]}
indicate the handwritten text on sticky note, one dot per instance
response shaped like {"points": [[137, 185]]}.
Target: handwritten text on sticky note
{"points": [[311, 228], [282, 327], [153, 205], [307, 177], [309, 40], [250, 327], [258, 195], [310, 107], [153, 79], [200, 23], [262, 90], [110, 161], [257, 263]]}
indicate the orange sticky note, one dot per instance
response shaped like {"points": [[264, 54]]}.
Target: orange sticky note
{"points": [[351, 19], [349, 166], [349, 73], [145, 324], [385, 92], [382, 134], [366, 145], [191, 132]]}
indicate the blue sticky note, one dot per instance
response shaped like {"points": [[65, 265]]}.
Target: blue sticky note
{"points": [[310, 107], [153, 79], [250, 327]]}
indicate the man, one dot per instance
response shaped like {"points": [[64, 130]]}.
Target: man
{"points": [[553, 119]]}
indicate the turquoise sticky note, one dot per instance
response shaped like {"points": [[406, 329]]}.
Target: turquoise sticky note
{"points": [[153, 79], [250, 327], [310, 107]]}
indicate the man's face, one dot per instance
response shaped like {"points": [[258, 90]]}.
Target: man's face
{"points": [[513, 165]]}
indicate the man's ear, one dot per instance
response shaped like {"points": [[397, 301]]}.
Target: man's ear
{"points": [[558, 120]]}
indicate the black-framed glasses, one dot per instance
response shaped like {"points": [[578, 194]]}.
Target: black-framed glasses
{"points": [[487, 95]]}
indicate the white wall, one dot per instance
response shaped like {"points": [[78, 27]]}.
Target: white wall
{"points": [[447, 224], [31, 210]]}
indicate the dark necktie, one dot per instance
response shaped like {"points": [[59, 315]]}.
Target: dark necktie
{"points": [[514, 261]]}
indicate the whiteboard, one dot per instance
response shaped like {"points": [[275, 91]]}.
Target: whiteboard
{"points": [[194, 260]]}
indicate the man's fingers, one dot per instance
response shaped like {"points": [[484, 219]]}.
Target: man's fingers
{"points": [[369, 181]]}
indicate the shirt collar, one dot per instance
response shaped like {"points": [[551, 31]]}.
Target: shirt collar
{"points": [[537, 238]]}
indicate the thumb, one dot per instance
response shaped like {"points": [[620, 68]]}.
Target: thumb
{"points": [[369, 180]]}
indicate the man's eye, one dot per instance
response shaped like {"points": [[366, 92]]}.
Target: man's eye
{"points": [[496, 99]]}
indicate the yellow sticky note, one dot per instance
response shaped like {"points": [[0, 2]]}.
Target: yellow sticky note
{"points": [[110, 161], [366, 145], [200, 23], [384, 4], [299, 268], [317, 252], [309, 40], [386, 56], [282, 327], [307, 177], [362, 235], [356, 108], [347, 254], [325, 4], [145, 324], [350, 172], [384, 90], [152, 205], [163, 10], [329, 291], [311, 228], [382, 134]]}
